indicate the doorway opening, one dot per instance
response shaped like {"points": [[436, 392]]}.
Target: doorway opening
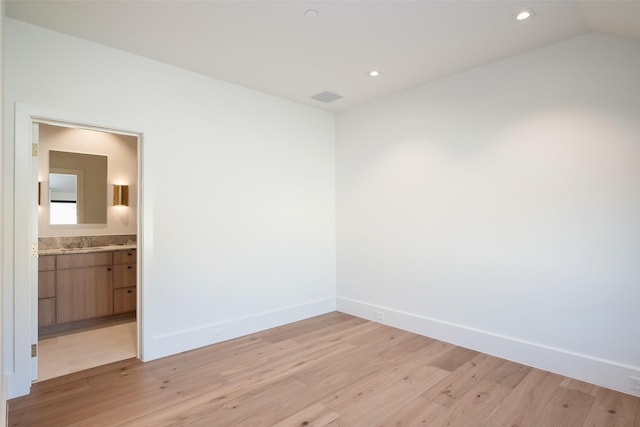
{"points": [[87, 286]]}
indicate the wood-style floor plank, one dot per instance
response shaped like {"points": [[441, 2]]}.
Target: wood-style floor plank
{"points": [[527, 402], [417, 412], [566, 408], [453, 387], [475, 406], [316, 415], [331, 370], [613, 409]]}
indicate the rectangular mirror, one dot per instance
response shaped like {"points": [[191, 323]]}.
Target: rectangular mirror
{"points": [[77, 188]]}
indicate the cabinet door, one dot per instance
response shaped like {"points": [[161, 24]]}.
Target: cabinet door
{"points": [[46, 284], [124, 300], [84, 293]]}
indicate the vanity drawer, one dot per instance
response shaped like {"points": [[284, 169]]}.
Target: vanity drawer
{"points": [[124, 300], [94, 259], [124, 275], [46, 262], [124, 257]]}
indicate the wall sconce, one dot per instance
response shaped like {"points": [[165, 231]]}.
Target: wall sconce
{"points": [[120, 195]]}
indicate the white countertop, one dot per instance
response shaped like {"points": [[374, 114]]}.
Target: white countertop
{"points": [[86, 250]]}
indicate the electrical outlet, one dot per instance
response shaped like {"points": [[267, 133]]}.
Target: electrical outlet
{"points": [[634, 383], [378, 316], [218, 334]]}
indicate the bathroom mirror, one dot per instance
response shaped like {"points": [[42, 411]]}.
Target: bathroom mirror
{"points": [[77, 188]]}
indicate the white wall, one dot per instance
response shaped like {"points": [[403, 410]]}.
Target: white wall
{"points": [[500, 209], [121, 152], [237, 186], [496, 209]]}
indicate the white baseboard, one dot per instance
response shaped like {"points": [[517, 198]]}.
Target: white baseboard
{"points": [[189, 339], [605, 373], [4, 418]]}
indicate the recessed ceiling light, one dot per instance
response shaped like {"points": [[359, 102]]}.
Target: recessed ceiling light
{"points": [[524, 15], [311, 14], [374, 73]]}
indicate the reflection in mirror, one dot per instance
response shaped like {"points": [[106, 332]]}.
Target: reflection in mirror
{"points": [[77, 188], [63, 194]]}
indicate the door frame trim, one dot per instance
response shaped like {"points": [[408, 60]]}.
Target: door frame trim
{"points": [[25, 297]]}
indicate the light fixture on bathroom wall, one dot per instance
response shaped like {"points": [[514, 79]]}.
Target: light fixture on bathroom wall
{"points": [[120, 195]]}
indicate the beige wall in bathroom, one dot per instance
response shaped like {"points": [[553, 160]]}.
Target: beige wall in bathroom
{"points": [[121, 151]]}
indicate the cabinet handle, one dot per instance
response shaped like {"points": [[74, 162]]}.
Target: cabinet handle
{"points": [[129, 267], [129, 291], [129, 253], [108, 269]]}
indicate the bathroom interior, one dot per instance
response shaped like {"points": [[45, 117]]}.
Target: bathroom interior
{"points": [[87, 248]]}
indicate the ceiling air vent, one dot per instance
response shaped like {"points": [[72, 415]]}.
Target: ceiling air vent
{"points": [[326, 97]]}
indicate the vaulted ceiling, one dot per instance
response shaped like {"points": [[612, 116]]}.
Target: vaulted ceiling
{"points": [[297, 49]]}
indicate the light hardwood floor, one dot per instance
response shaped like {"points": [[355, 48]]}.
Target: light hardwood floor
{"points": [[331, 370], [70, 353]]}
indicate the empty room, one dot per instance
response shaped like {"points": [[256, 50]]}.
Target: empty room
{"points": [[346, 213]]}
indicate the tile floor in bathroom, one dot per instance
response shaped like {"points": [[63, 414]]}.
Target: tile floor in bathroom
{"points": [[83, 350]]}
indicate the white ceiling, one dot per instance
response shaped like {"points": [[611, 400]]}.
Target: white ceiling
{"points": [[272, 47]]}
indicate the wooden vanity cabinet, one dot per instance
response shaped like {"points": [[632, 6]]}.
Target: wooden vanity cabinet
{"points": [[124, 281], [85, 286], [46, 291]]}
